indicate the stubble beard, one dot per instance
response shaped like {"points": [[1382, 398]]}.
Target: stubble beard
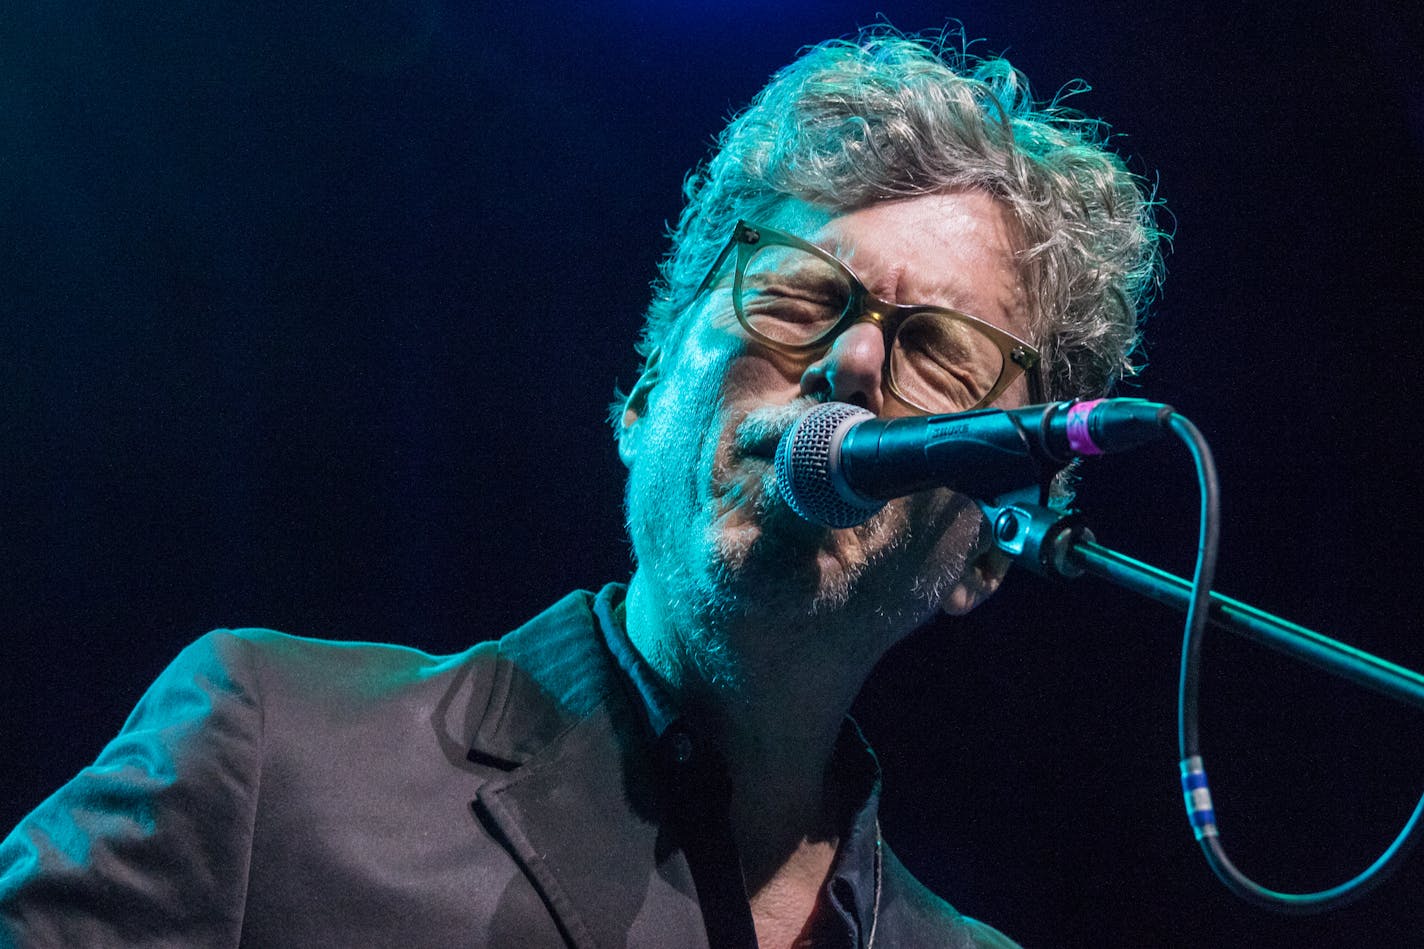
{"points": [[753, 587]]}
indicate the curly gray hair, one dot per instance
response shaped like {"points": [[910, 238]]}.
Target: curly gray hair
{"points": [[885, 115]]}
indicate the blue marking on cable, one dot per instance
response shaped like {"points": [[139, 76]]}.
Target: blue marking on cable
{"points": [[1197, 797]]}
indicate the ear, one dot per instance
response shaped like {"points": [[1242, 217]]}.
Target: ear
{"points": [[979, 582], [636, 407]]}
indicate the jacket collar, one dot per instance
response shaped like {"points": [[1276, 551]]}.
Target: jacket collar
{"points": [[549, 674], [577, 808]]}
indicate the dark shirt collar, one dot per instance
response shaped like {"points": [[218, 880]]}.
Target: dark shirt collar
{"points": [[851, 890], [608, 606]]}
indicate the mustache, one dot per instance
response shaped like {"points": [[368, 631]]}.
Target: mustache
{"points": [[763, 427]]}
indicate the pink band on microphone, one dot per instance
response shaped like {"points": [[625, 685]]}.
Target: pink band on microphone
{"points": [[1079, 441]]}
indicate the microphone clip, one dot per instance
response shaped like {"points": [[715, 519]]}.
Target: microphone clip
{"points": [[1036, 536]]}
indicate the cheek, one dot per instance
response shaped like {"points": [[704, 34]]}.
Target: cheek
{"points": [[761, 378], [954, 535], [717, 371]]}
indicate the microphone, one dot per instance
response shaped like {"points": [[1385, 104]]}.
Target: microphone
{"points": [[838, 464]]}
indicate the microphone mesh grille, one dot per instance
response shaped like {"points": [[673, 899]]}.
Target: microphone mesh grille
{"points": [[803, 466]]}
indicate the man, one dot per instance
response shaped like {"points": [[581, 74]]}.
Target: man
{"points": [[673, 766]]}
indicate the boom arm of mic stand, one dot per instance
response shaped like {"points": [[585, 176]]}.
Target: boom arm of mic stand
{"points": [[1052, 543]]}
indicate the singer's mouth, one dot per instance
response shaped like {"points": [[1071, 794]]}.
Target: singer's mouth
{"points": [[762, 447]]}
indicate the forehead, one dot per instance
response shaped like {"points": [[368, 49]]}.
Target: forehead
{"points": [[956, 249]]}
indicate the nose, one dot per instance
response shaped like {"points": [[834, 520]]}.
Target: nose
{"points": [[852, 369]]}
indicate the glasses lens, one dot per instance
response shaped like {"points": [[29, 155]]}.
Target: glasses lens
{"points": [[792, 296], [941, 363]]}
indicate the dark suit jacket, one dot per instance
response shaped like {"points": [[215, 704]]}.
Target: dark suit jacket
{"points": [[271, 790]]}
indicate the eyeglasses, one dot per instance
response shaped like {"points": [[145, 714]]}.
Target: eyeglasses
{"points": [[796, 298]]}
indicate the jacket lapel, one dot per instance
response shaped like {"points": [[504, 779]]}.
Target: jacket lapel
{"points": [[578, 810]]}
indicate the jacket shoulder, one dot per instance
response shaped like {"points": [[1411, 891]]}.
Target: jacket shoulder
{"points": [[323, 670]]}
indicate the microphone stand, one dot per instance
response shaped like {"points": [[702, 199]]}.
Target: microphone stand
{"points": [[1058, 544]]}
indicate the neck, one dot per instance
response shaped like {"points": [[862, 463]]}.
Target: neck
{"points": [[775, 698]]}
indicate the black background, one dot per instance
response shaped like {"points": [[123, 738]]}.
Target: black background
{"points": [[310, 320]]}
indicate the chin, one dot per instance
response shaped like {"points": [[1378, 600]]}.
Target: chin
{"points": [[768, 558]]}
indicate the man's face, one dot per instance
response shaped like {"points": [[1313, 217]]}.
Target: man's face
{"points": [[703, 425]]}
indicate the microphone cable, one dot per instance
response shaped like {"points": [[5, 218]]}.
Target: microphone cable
{"points": [[1194, 781]]}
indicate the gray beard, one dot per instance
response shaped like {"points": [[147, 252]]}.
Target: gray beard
{"points": [[749, 611]]}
